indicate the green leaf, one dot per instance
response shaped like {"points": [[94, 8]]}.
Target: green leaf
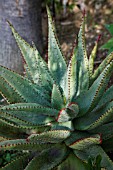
{"points": [[95, 92], [110, 50], [8, 157], [109, 27], [64, 116], [36, 66], [63, 126], [81, 140], [92, 58], [82, 61], [107, 97], [86, 142], [108, 45], [106, 130], [30, 118], [8, 130], [54, 136], [43, 76], [23, 86], [49, 158], [23, 144], [13, 120], [24, 125], [27, 73], [95, 118], [2, 139], [33, 108], [72, 163], [98, 162], [93, 152], [101, 67], [73, 107], [31, 113], [71, 85], [56, 98], [108, 144], [17, 164], [56, 62], [68, 113], [76, 135], [8, 91]]}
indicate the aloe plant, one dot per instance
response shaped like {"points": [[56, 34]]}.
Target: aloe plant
{"points": [[57, 116]]}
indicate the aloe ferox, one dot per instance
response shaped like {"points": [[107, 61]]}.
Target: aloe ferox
{"points": [[57, 116]]}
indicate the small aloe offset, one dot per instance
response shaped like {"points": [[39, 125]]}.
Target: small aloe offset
{"points": [[57, 116]]}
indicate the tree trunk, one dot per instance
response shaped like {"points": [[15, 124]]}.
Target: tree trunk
{"points": [[25, 15]]}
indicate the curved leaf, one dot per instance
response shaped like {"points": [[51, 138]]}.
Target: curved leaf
{"points": [[81, 140], [106, 130], [95, 92], [36, 66], [56, 98], [12, 130], [23, 144], [92, 58], [63, 126], [32, 108], [49, 158], [64, 116], [8, 91], [68, 113], [28, 118], [108, 144], [8, 130], [95, 119], [82, 62], [72, 163], [71, 79], [23, 86], [86, 142], [93, 152], [107, 97], [53, 136], [101, 67], [56, 62], [17, 164]]}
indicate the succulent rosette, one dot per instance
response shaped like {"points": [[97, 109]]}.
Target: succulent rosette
{"points": [[57, 116]]}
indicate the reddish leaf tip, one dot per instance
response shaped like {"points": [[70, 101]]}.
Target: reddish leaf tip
{"points": [[27, 140], [59, 114], [100, 138], [72, 103], [84, 13], [99, 37]]}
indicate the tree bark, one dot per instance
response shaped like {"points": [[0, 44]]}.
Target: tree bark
{"points": [[25, 15]]}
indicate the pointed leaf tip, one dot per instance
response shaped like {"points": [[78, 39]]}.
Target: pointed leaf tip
{"points": [[84, 13], [98, 38], [56, 62], [8, 22]]}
